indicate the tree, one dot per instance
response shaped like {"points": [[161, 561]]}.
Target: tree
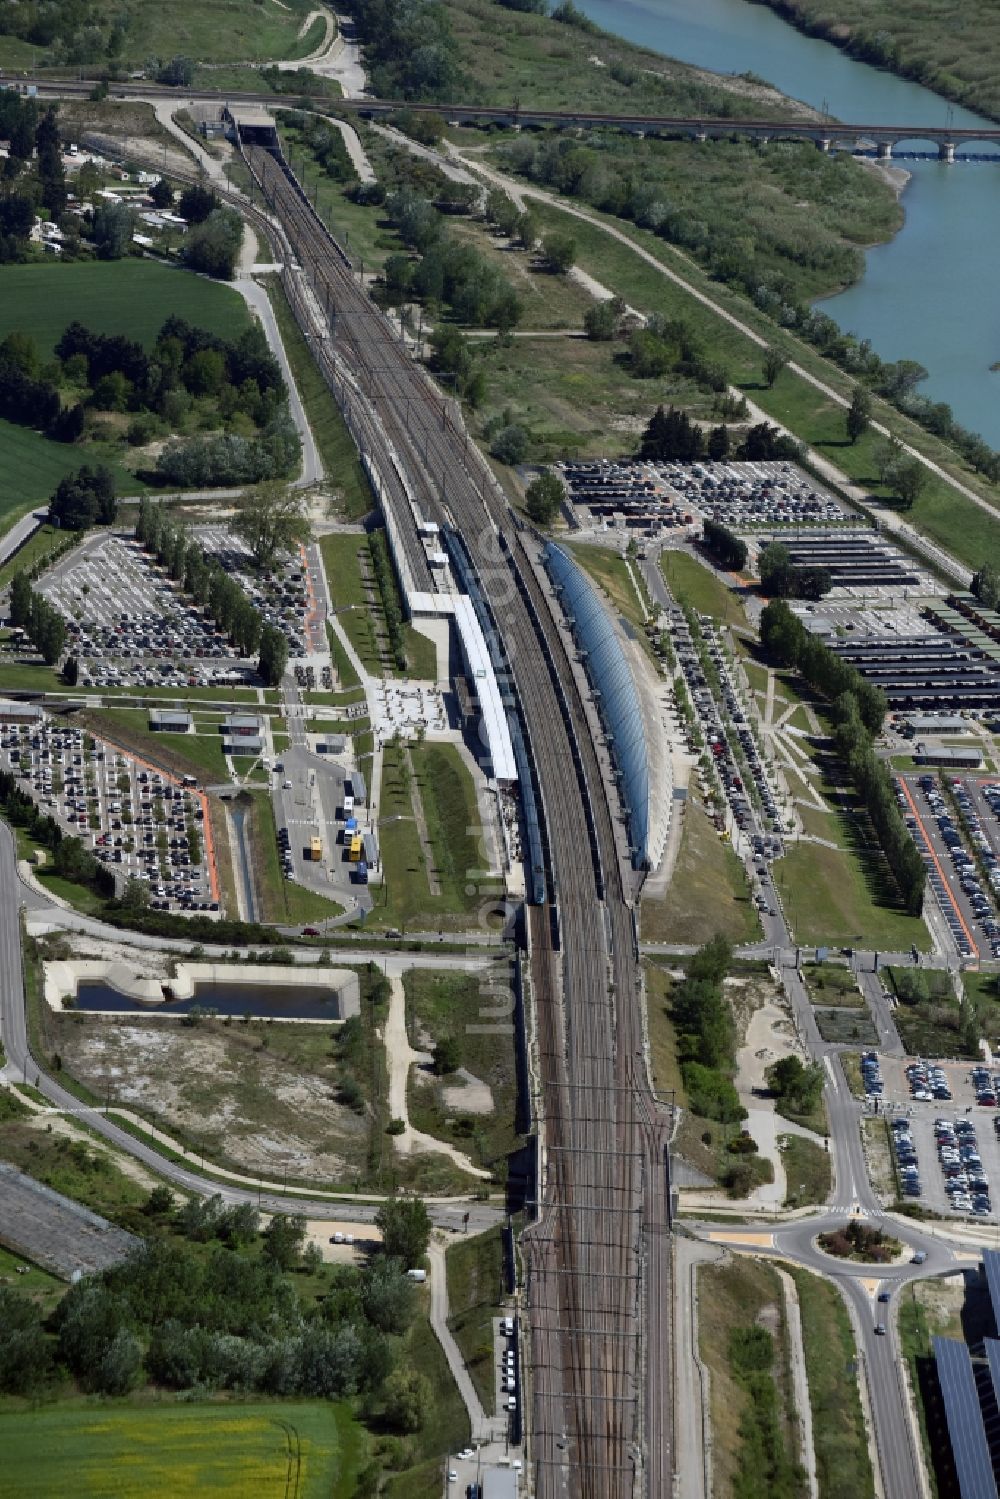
{"points": [[214, 246], [284, 1237], [796, 1084], [543, 498], [25, 1351], [273, 659], [718, 444], [601, 321], [271, 520], [447, 1056], [775, 567], [859, 413], [407, 1399], [406, 1229], [196, 203], [510, 445], [558, 253], [112, 230], [159, 1203], [774, 363], [178, 72], [162, 193], [985, 585], [388, 1298], [909, 482], [20, 601]]}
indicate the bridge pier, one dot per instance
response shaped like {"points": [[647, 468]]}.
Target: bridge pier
{"points": [[946, 151], [823, 143], [885, 150]]}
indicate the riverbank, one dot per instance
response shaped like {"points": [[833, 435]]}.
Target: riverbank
{"points": [[926, 48]]}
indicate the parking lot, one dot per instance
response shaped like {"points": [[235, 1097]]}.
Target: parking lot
{"points": [[282, 596], [858, 561], [128, 624], [953, 1143], [650, 498], [943, 819], [142, 823]]}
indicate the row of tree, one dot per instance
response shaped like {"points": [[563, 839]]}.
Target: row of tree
{"points": [[67, 856], [858, 711], [728, 549], [389, 594], [86, 498], [41, 622], [780, 578], [28, 401], [706, 1033]]}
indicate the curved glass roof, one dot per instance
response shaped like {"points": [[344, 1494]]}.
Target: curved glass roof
{"points": [[611, 676]]}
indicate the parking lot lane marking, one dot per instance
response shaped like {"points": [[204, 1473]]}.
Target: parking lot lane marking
{"points": [[751, 1240], [937, 865]]}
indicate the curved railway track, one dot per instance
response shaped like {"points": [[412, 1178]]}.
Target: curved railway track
{"points": [[597, 1256]]}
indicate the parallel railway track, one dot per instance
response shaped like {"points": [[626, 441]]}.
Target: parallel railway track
{"points": [[597, 1257]]}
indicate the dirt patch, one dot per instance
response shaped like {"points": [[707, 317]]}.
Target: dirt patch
{"points": [[256, 1101], [769, 1036], [470, 1096]]}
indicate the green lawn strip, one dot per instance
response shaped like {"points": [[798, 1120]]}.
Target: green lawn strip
{"points": [[119, 1450], [21, 676], [708, 892], [843, 1463], [421, 655], [942, 512], [733, 1298], [452, 815], [808, 1177], [197, 754], [829, 897], [358, 617], [692, 583], [463, 1008], [344, 469], [38, 546], [335, 699], [475, 1296], [222, 697], [342, 665]]}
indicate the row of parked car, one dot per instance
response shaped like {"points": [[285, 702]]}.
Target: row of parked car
{"points": [[945, 899], [986, 1084], [982, 903], [906, 1158], [965, 1181], [871, 1073]]}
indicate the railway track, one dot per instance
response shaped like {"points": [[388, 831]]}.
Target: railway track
{"points": [[597, 1256]]}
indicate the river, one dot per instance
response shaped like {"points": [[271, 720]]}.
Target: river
{"points": [[929, 294]]}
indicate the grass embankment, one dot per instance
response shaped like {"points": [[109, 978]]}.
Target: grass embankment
{"points": [[198, 754], [448, 797], [476, 1013], [80, 1169], [708, 892], [968, 532], [344, 470], [808, 1175], [312, 1449], [475, 1293], [754, 1435], [611, 571], [841, 895], [843, 1464], [279, 900], [696, 585]]}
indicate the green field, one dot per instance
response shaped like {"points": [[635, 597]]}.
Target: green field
{"points": [[132, 297], [32, 466], [832, 895], [311, 1450], [197, 754]]}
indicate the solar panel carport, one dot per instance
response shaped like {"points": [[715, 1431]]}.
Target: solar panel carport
{"points": [[964, 1415]]}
